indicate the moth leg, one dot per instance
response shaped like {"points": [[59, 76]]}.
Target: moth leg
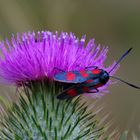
{"points": [[59, 69], [96, 90], [95, 67]]}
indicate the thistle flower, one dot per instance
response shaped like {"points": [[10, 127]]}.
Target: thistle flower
{"points": [[32, 57], [28, 61]]}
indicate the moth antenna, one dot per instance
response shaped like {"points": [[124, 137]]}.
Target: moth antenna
{"points": [[120, 59], [134, 86]]}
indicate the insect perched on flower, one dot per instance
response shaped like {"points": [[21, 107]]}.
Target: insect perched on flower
{"points": [[87, 81]]}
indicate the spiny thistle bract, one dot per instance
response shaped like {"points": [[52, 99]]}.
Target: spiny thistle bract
{"points": [[28, 62], [40, 116]]}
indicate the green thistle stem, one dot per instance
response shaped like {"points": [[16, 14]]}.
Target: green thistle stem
{"points": [[40, 116]]}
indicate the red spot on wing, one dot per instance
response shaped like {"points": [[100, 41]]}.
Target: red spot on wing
{"points": [[96, 71], [89, 81], [85, 89], [83, 73], [98, 85], [70, 76], [72, 92]]}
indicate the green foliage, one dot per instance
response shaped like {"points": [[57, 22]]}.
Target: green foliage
{"points": [[4, 102], [38, 115], [124, 136]]}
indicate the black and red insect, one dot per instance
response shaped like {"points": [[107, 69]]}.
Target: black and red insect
{"points": [[86, 81]]}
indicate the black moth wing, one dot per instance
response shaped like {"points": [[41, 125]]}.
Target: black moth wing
{"points": [[74, 76]]}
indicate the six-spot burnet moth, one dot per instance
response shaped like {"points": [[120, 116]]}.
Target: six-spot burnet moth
{"points": [[86, 81]]}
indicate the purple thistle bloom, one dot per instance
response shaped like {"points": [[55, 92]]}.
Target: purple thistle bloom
{"points": [[31, 57]]}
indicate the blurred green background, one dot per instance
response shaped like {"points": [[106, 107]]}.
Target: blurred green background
{"points": [[113, 23]]}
